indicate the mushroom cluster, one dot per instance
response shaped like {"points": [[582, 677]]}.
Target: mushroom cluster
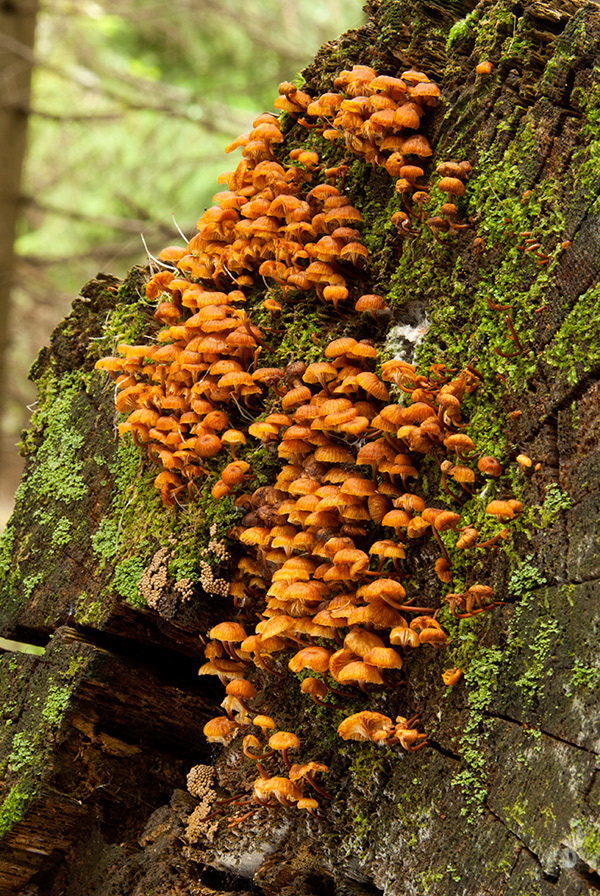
{"points": [[273, 222], [377, 117], [324, 550], [275, 787], [326, 547]]}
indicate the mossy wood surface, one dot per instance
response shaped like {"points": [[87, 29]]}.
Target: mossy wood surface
{"points": [[98, 733]]}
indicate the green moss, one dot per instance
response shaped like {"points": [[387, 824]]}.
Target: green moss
{"points": [[57, 475], [583, 676], [56, 703], [13, 807], [61, 534], [525, 578], [462, 28], [7, 544], [127, 578], [554, 502], [88, 612], [105, 541], [586, 840], [480, 680], [539, 650], [24, 753], [30, 584], [575, 349]]}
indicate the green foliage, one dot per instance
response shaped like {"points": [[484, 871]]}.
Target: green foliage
{"points": [[105, 541], [55, 705], [531, 681], [127, 576], [554, 502], [525, 578], [583, 676], [13, 807], [480, 680], [30, 584], [576, 345], [7, 543], [23, 754], [461, 29], [61, 533], [58, 472]]}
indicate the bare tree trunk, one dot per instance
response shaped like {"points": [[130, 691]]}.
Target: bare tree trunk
{"points": [[17, 28]]}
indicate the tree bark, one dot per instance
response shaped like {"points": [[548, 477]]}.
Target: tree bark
{"points": [[505, 797]]}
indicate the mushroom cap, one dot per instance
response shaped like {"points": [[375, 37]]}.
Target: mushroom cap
{"points": [[360, 641], [241, 688], [451, 676], [381, 588], [264, 722], [489, 466], [502, 509], [357, 673], [284, 740], [315, 658], [308, 803], [362, 725], [283, 789], [314, 687], [384, 658], [228, 631], [308, 769], [219, 730]]}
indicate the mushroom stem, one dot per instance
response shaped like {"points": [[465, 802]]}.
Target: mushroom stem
{"points": [[490, 542], [241, 818], [496, 603], [259, 659], [316, 787], [447, 488], [438, 538]]}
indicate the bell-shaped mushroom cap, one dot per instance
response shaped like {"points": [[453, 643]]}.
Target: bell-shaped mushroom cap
{"points": [[403, 636], [227, 631], [307, 803], [362, 725], [241, 688], [284, 740], [314, 658], [360, 641], [283, 789], [314, 687], [446, 520], [380, 589], [489, 466], [377, 612], [222, 667], [249, 743], [501, 509], [307, 770], [451, 676], [383, 658], [460, 443], [359, 673], [263, 722], [219, 730]]}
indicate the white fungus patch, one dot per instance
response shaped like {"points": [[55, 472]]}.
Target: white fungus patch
{"points": [[403, 339], [245, 861]]}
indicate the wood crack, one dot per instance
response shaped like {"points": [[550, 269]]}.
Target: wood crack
{"points": [[505, 718]]}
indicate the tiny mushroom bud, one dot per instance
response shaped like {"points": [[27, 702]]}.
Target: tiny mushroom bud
{"points": [[451, 676]]}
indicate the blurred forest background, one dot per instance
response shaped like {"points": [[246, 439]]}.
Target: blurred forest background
{"points": [[114, 117]]}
